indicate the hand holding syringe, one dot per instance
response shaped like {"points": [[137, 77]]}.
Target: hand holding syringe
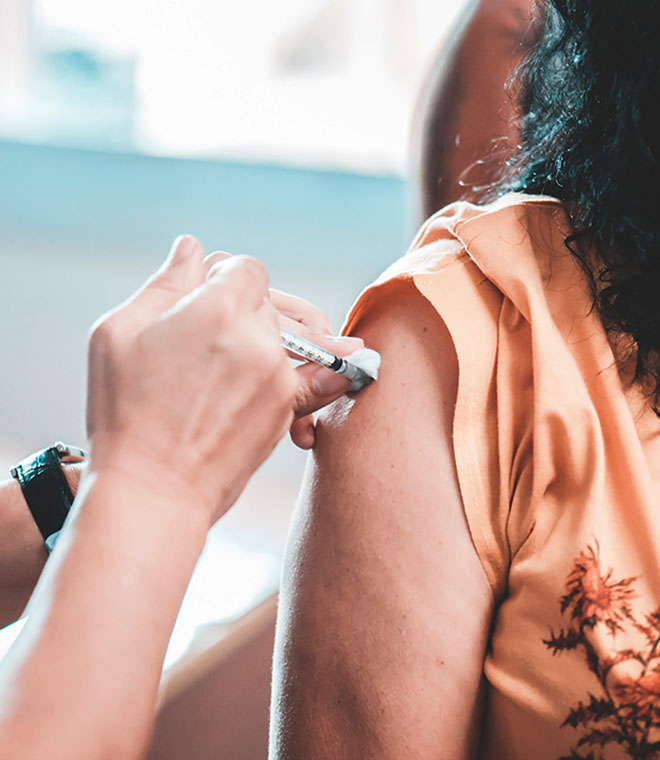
{"points": [[332, 365]]}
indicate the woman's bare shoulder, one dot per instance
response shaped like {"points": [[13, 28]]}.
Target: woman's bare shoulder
{"points": [[385, 607]]}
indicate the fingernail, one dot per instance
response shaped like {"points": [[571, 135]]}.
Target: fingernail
{"points": [[327, 383], [182, 247]]}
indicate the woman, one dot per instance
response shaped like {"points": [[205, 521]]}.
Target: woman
{"points": [[475, 564]]}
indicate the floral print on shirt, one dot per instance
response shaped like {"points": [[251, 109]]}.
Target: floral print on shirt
{"points": [[624, 716]]}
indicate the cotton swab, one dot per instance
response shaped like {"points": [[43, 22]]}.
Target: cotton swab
{"points": [[361, 367]]}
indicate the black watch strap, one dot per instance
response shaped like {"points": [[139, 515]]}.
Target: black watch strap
{"points": [[45, 489]]}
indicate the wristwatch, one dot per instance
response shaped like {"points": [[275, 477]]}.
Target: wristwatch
{"points": [[45, 488]]}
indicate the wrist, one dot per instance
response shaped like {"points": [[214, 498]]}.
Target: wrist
{"points": [[163, 475], [157, 493], [22, 549], [120, 519], [73, 472]]}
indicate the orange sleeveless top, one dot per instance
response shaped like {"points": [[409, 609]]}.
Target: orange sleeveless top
{"points": [[559, 470]]}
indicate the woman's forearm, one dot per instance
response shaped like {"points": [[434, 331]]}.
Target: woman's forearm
{"points": [[101, 615]]}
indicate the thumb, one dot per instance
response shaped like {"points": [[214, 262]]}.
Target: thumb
{"points": [[317, 386], [181, 272]]}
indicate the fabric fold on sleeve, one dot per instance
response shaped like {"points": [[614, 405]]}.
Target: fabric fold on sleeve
{"points": [[469, 305]]}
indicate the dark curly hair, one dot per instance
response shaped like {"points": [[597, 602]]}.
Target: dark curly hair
{"points": [[590, 96]]}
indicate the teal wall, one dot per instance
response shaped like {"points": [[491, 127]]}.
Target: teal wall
{"points": [[283, 214], [79, 230]]}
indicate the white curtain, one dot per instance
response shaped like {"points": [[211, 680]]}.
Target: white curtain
{"points": [[305, 81], [15, 56]]}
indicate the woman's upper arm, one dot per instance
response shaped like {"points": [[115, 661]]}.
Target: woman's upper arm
{"points": [[385, 608]]}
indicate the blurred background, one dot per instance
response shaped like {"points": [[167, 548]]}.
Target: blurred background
{"points": [[276, 129]]}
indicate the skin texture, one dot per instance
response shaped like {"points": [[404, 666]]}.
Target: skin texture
{"points": [[385, 608], [189, 391], [464, 127]]}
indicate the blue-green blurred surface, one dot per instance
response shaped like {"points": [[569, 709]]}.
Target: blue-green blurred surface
{"points": [[79, 230]]}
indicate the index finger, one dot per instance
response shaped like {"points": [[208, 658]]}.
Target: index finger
{"points": [[301, 311]]}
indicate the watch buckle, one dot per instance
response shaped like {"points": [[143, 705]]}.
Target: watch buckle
{"points": [[65, 450]]}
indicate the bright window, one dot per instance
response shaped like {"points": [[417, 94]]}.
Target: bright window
{"points": [[315, 82]]}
